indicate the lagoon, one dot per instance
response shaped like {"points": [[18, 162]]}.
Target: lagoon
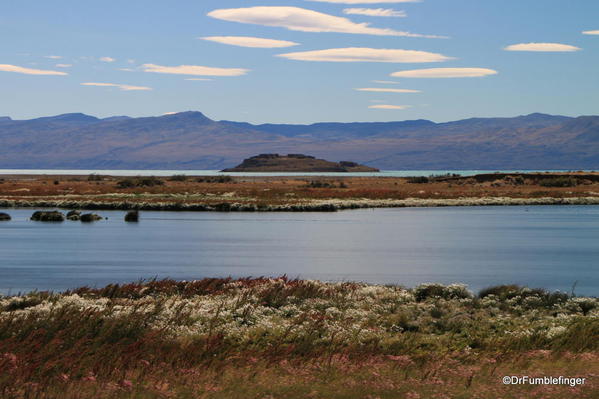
{"points": [[553, 247]]}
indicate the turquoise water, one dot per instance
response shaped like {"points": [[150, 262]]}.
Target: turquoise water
{"points": [[385, 173], [546, 246]]}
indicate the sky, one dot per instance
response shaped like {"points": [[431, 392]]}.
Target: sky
{"points": [[300, 61]]}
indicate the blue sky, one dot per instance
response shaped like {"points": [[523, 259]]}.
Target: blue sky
{"points": [[137, 57]]}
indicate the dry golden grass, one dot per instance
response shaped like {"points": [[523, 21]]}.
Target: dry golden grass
{"points": [[282, 338], [281, 190]]}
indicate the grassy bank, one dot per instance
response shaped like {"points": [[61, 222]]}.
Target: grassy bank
{"points": [[329, 205], [296, 194], [280, 338]]}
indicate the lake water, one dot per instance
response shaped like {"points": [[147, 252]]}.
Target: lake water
{"points": [[162, 173], [544, 246]]}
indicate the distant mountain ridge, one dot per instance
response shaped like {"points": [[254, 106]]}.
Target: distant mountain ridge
{"points": [[190, 140]]}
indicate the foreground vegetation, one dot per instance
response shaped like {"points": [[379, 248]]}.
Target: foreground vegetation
{"points": [[281, 338]]}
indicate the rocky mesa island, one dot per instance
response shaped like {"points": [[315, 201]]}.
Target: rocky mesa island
{"points": [[296, 163]]}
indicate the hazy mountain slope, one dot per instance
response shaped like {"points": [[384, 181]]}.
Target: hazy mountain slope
{"points": [[190, 140]]}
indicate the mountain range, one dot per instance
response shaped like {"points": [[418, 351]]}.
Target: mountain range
{"points": [[190, 140]]}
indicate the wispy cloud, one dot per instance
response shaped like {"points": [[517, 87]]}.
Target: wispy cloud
{"points": [[367, 1], [591, 32], [29, 71], [542, 47], [385, 90], [303, 20], [385, 82], [200, 79], [53, 57], [63, 65], [107, 59], [375, 12], [247, 41], [119, 86], [362, 54], [389, 106], [194, 70], [445, 73]]}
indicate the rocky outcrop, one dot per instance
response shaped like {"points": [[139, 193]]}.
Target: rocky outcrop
{"points": [[132, 216], [4, 217], [47, 216], [74, 215], [90, 217]]}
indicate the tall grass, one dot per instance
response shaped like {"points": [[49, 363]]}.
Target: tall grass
{"points": [[287, 338]]}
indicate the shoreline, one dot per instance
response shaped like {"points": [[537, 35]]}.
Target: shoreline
{"points": [[296, 194], [331, 205]]}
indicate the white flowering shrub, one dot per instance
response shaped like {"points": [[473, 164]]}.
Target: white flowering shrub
{"points": [[303, 316]]}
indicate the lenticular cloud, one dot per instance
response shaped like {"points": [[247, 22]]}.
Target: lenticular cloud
{"points": [[303, 20]]}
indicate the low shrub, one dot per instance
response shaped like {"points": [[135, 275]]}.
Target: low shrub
{"points": [[215, 179], [149, 181], [320, 184], [325, 184], [94, 177], [453, 291], [418, 180], [530, 297], [178, 178], [565, 181]]}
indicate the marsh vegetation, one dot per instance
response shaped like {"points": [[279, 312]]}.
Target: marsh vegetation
{"points": [[282, 338]]}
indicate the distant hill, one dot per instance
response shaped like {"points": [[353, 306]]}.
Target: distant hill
{"points": [[296, 163], [190, 140]]}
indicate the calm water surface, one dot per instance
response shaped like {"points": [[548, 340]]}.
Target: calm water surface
{"points": [[545, 246]]}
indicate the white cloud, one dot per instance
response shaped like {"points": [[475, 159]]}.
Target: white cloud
{"points": [[107, 59], [384, 90], [194, 70], [246, 41], [366, 1], [591, 32], [120, 86], [385, 82], [362, 54], [445, 73], [53, 57], [63, 65], [199, 79], [29, 71], [375, 12], [126, 69], [542, 47], [388, 106], [303, 20]]}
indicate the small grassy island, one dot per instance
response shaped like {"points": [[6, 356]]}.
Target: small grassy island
{"points": [[281, 338], [296, 163]]}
